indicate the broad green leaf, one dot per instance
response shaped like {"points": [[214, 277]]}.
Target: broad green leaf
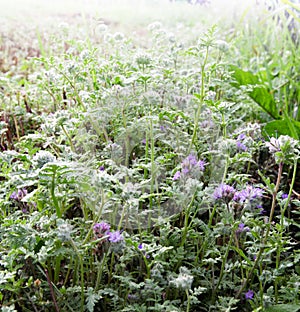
{"points": [[283, 308], [277, 127], [283, 127], [259, 93]]}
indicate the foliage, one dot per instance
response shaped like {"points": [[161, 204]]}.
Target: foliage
{"points": [[137, 177]]}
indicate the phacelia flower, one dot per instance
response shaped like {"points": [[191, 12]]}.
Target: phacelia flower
{"points": [[250, 193], [249, 294], [225, 192], [176, 176], [242, 228], [115, 237], [19, 195], [101, 227], [190, 165], [239, 142]]}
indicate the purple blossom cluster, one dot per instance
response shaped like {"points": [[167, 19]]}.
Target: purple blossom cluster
{"points": [[249, 193], [240, 142], [102, 229], [189, 164], [242, 228], [19, 195], [227, 193]]}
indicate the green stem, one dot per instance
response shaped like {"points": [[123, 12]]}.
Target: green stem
{"points": [[88, 235], [188, 300], [201, 100], [69, 138], [186, 220], [278, 251], [73, 86], [152, 173], [223, 264], [99, 272], [266, 236], [81, 273], [55, 201]]}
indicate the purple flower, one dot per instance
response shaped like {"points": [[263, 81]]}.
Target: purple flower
{"points": [[140, 246], [224, 191], [101, 227], [19, 195], [176, 176], [14, 196], [284, 196], [185, 171], [249, 193], [239, 142], [240, 146], [115, 237], [101, 168], [201, 164], [189, 165], [241, 137], [249, 294], [242, 228]]}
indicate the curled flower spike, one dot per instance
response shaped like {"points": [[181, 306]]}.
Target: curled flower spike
{"points": [[250, 193], [190, 165], [225, 192], [115, 237], [101, 227]]}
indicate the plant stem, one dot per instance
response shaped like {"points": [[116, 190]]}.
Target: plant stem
{"points": [[266, 236], [223, 264], [52, 291], [81, 273], [188, 300], [55, 201], [201, 99]]}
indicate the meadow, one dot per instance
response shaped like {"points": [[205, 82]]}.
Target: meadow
{"points": [[149, 156]]}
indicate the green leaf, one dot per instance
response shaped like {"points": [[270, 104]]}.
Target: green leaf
{"points": [[283, 308], [259, 92], [276, 128], [283, 127], [92, 299]]}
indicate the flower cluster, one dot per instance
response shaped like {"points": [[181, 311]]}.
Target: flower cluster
{"points": [[242, 228], [224, 192], [240, 143], [19, 195], [227, 193], [284, 148], [103, 229], [249, 193], [190, 165]]}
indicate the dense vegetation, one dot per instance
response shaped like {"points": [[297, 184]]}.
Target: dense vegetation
{"points": [[151, 167]]}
